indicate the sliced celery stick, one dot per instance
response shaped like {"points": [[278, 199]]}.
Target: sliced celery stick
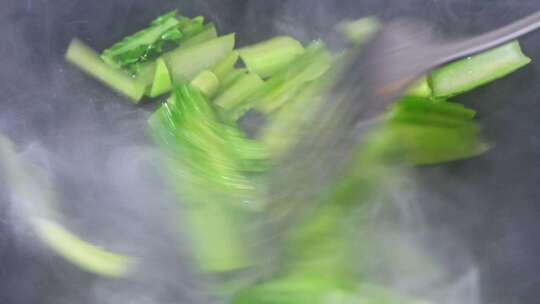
{"points": [[421, 88], [359, 31], [469, 73], [162, 79], [185, 62], [241, 89], [207, 82], [89, 257], [209, 32], [89, 61], [231, 78], [268, 57], [225, 66]]}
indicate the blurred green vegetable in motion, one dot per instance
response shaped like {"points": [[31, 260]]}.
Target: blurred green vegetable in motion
{"points": [[360, 30], [85, 255], [206, 161], [35, 197]]}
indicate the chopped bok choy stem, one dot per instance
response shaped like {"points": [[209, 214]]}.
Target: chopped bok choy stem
{"points": [[241, 89], [89, 61], [469, 73], [223, 68], [268, 57], [207, 82], [162, 79]]}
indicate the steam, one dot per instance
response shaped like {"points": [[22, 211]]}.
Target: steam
{"points": [[403, 251], [93, 154]]}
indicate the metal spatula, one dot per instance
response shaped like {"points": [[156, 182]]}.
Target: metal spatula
{"points": [[375, 77]]}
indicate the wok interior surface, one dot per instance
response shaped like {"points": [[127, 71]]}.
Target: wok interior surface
{"points": [[490, 202]]}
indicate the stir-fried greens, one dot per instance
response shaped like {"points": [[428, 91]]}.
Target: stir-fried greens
{"points": [[219, 174]]}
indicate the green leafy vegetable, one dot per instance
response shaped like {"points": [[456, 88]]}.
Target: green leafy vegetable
{"points": [[186, 62], [146, 43], [162, 79], [422, 132], [218, 172], [225, 66], [206, 82], [467, 74], [286, 125], [297, 289], [191, 27], [268, 57], [283, 85], [208, 32], [241, 89], [232, 77], [89, 61], [421, 88], [206, 169]]}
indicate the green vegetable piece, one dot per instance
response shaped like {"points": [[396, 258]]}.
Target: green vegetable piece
{"points": [[297, 289], [252, 156], [239, 91], [36, 199], [162, 79], [89, 61], [207, 32], [421, 88], [268, 57], [423, 132], [469, 73], [145, 43], [198, 132], [426, 107], [426, 145], [232, 77], [360, 30], [186, 62], [191, 27], [223, 68], [217, 241], [87, 256], [281, 87], [207, 82], [284, 127], [206, 168]]}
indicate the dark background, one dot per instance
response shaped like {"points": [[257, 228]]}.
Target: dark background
{"points": [[492, 201]]}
